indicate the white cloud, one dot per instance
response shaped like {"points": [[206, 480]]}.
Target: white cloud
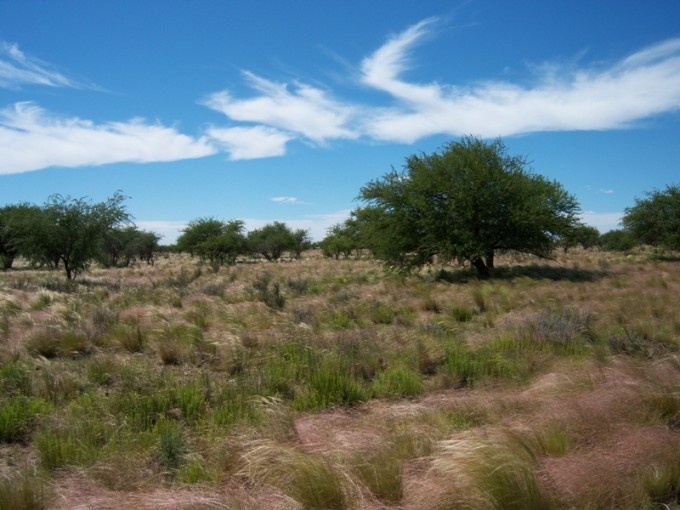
{"points": [[31, 139], [561, 98], [250, 142], [285, 200], [644, 84], [604, 222], [169, 230], [607, 191], [17, 69], [305, 111], [316, 224]]}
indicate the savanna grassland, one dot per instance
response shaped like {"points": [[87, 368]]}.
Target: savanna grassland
{"points": [[325, 384]]}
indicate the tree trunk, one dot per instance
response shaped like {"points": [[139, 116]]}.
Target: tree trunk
{"points": [[489, 259], [482, 268]]}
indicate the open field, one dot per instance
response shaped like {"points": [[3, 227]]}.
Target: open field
{"points": [[328, 384]]}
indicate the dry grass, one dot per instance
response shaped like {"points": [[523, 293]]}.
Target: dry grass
{"points": [[329, 384]]}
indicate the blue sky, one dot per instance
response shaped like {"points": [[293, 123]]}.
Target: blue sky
{"points": [[280, 111]]}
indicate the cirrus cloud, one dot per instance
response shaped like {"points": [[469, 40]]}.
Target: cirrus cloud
{"points": [[17, 69]]}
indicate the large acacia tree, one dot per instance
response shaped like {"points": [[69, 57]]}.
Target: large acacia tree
{"points": [[466, 203]]}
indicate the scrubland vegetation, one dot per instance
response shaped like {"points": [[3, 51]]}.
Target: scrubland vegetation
{"points": [[321, 383]]}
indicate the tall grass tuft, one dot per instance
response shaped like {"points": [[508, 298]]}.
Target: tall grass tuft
{"points": [[496, 473], [312, 481], [398, 381], [269, 292], [18, 416], [23, 490]]}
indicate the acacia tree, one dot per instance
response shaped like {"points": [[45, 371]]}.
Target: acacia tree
{"points": [[342, 239], [121, 246], [69, 231], [466, 203], [272, 240], [213, 240], [583, 235], [655, 220]]}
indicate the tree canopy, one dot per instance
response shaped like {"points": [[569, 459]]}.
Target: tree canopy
{"points": [[213, 240], [70, 231], [465, 203], [655, 220]]}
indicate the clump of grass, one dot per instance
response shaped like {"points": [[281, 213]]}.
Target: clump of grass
{"points": [[18, 416], [496, 473], [44, 300], [382, 314], [461, 313], [568, 326], [329, 383], [429, 304], [44, 343], [380, 468], [661, 485], [274, 419], [312, 481], [15, 379], [130, 337], [269, 292], [398, 381], [172, 445], [23, 490], [51, 342], [101, 370]]}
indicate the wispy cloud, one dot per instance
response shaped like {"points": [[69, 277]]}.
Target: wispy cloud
{"points": [[265, 123], [17, 69], [285, 200], [31, 138], [607, 191], [561, 98], [644, 84], [300, 109]]}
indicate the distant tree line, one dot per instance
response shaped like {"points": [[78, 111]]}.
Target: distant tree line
{"points": [[220, 242], [464, 204]]}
